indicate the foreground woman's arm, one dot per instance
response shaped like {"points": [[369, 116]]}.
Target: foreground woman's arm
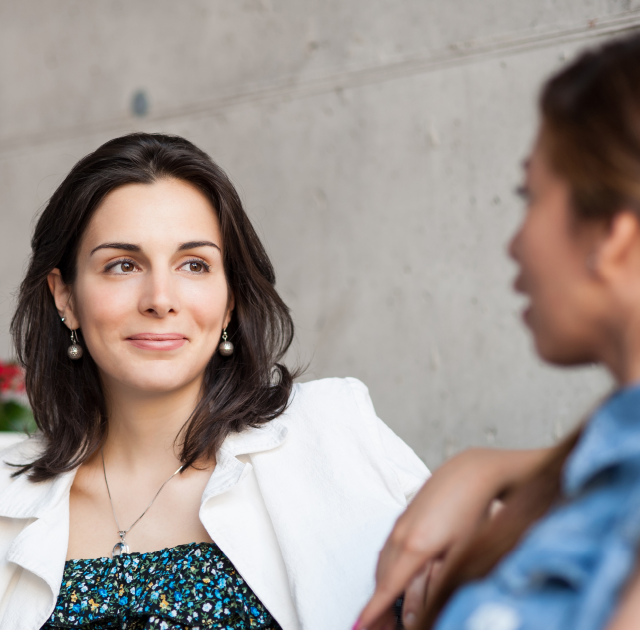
{"points": [[447, 509], [627, 617]]}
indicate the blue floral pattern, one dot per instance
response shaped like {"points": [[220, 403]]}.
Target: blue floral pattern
{"points": [[189, 587]]}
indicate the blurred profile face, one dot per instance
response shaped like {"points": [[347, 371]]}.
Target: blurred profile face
{"points": [[150, 296], [553, 250]]}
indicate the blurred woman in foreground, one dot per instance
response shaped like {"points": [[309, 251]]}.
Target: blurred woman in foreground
{"points": [[578, 250]]}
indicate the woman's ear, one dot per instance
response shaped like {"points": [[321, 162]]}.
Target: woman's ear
{"points": [[618, 251], [231, 304], [62, 297]]}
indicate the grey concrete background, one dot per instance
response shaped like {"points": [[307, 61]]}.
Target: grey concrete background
{"points": [[376, 144]]}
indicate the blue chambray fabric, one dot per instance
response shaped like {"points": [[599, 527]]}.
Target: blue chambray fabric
{"points": [[570, 568]]}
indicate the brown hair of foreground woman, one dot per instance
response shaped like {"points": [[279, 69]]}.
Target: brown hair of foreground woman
{"points": [[590, 135], [248, 388]]}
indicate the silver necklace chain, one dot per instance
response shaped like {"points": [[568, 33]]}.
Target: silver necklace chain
{"points": [[122, 546]]}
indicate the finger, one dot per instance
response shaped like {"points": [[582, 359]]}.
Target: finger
{"points": [[495, 508], [386, 621], [390, 585], [415, 596], [432, 584]]}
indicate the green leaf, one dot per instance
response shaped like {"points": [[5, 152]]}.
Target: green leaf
{"points": [[16, 417]]}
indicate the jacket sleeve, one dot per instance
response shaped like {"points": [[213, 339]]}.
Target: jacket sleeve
{"points": [[408, 467]]}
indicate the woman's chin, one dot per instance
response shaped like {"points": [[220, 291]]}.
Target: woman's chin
{"points": [[156, 381], [559, 355]]}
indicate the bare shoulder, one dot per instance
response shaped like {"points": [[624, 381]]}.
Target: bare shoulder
{"points": [[88, 477]]}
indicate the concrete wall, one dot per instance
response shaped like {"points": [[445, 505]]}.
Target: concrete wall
{"points": [[376, 144]]}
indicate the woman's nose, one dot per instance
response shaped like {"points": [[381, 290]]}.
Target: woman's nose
{"points": [[514, 246], [159, 296]]}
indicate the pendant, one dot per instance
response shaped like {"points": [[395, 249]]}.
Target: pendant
{"points": [[121, 547]]}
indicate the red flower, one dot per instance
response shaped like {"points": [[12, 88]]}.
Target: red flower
{"points": [[11, 378]]}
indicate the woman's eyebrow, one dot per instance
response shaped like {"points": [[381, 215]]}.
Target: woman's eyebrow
{"points": [[194, 244], [129, 247]]}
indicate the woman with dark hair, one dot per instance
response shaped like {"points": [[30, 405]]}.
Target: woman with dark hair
{"points": [[179, 479], [561, 551]]}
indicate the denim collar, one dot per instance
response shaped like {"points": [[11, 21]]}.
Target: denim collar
{"points": [[611, 437]]}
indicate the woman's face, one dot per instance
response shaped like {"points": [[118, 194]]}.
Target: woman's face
{"points": [[150, 296], [554, 252]]}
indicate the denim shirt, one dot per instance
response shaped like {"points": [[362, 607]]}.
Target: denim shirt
{"points": [[571, 567]]}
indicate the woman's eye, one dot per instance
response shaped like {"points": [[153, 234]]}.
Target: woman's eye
{"points": [[196, 266], [122, 266], [523, 192]]}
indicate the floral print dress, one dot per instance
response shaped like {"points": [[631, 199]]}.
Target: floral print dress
{"points": [[188, 587]]}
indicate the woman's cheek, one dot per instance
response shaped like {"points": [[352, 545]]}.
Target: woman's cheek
{"points": [[105, 305], [206, 303], [208, 320]]}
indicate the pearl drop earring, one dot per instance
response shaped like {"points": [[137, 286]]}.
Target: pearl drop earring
{"points": [[226, 347], [74, 351]]}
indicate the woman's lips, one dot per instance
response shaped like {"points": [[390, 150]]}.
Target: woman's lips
{"points": [[519, 287], [157, 341]]}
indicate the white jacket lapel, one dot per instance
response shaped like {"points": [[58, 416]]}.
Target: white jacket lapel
{"points": [[40, 548], [236, 518]]}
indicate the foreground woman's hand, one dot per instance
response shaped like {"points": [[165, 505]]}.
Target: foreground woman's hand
{"points": [[449, 507]]}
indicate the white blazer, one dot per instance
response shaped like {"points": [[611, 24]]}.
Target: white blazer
{"points": [[301, 506]]}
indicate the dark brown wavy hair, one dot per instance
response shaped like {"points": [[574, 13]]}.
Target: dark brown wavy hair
{"points": [[591, 135], [249, 388]]}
